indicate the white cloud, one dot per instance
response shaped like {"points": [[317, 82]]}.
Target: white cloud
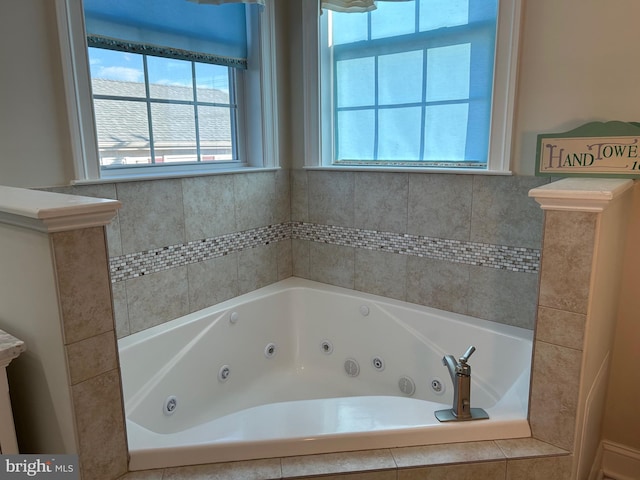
{"points": [[124, 74]]}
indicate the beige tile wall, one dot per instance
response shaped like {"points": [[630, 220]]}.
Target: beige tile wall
{"points": [[82, 272], [81, 265]]}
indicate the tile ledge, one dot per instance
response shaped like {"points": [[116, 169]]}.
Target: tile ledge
{"points": [[53, 212], [523, 448], [511, 449], [580, 194]]}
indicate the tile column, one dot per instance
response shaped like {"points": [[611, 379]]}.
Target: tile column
{"points": [[56, 296], [580, 274]]}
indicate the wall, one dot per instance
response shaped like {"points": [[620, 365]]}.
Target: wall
{"points": [[179, 245], [572, 53], [622, 423], [33, 134], [38, 376], [574, 68], [462, 243]]}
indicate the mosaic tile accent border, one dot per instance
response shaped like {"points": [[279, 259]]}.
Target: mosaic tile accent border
{"points": [[516, 259], [137, 264]]}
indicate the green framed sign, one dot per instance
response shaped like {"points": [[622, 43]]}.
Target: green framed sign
{"points": [[597, 149]]}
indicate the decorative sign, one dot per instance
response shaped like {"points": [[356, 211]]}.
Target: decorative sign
{"points": [[596, 149]]}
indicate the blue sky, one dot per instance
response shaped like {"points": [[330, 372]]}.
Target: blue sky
{"points": [[128, 67]]}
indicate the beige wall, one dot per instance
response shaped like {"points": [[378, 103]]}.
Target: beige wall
{"points": [[34, 139], [622, 423], [577, 65]]}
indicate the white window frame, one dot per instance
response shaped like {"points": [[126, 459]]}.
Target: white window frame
{"points": [[257, 140], [318, 147]]}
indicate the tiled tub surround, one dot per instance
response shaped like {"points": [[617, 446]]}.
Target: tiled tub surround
{"points": [[461, 229], [166, 216], [532, 464], [576, 313], [517, 459], [462, 243], [133, 265], [499, 257], [502, 257]]}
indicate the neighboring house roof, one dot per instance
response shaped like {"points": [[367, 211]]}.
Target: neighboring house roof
{"points": [[123, 124]]}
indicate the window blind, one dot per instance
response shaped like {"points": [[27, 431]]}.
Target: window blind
{"points": [[172, 28]]}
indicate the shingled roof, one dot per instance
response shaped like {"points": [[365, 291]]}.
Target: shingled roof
{"points": [[122, 126]]}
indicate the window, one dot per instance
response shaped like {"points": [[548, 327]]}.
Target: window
{"points": [[415, 84], [152, 110], [148, 97]]}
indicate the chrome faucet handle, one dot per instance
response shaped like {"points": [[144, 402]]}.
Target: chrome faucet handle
{"points": [[465, 356]]}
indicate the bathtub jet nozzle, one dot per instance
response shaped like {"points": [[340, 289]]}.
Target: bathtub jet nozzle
{"points": [[460, 372]]}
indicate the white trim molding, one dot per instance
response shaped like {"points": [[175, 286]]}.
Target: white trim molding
{"points": [[50, 212], [75, 69], [619, 461], [580, 194]]}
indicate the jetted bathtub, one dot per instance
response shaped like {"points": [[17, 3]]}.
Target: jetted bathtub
{"points": [[300, 367]]}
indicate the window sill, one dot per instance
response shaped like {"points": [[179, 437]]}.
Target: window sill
{"points": [[172, 174], [390, 169]]}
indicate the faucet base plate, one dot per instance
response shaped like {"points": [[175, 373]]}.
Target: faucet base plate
{"points": [[448, 415]]}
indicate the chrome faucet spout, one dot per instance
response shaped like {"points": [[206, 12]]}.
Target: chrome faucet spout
{"points": [[449, 361], [460, 372]]}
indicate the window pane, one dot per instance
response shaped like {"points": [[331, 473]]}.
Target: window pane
{"points": [[170, 79], [448, 72], [356, 134], [443, 13], [123, 132], [212, 82], [214, 125], [400, 78], [421, 81], [348, 27], [174, 132], [355, 85], [116, 73], [399, 134], [446, 132], [393, 18]]}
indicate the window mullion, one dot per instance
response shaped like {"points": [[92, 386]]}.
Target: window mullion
{"points": [[376, 108], [147, 89], [195, 111], [233, 112], [423, 112]]}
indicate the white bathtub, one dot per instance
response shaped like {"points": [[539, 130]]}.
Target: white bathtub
{"points": [[263, 375]]}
